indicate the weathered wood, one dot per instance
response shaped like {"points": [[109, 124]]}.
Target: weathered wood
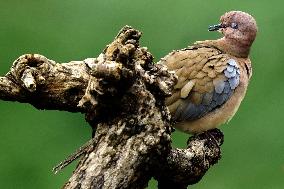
{"points": [[122, 94]]}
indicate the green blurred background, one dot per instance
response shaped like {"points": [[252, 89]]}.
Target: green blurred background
{"points": [[33, 141]]}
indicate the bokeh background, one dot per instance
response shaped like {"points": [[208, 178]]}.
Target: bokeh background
{"points": [[33, 141]]}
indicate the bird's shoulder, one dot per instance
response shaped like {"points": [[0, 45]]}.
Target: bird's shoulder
{"points": [[196, 55]]}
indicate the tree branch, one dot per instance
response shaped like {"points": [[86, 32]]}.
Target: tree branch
{"points": [[184, 167], [122, 95], [45, 84]]}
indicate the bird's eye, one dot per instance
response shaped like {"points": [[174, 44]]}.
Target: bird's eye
{"points": [[234, 25]]}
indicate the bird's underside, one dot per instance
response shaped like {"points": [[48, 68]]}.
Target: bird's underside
{"points": [[207, 78]]}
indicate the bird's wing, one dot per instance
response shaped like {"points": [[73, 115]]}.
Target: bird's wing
{"points": [[206, 80]]}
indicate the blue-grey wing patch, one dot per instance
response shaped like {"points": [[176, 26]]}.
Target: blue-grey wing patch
{"points": [[223, 89], [232, 72]]}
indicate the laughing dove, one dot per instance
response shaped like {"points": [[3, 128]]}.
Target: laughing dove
{"points": [[213, 75]]}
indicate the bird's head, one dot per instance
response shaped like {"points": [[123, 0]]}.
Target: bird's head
{"points": [[239, 29]]}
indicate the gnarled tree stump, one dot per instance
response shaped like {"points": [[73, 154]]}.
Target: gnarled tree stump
{"points": [[122, 94]]}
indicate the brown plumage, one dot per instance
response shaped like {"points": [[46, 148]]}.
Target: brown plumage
{"points": [[213, 75]]}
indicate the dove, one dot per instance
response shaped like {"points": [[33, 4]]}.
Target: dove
{"points": [[213, 75]]}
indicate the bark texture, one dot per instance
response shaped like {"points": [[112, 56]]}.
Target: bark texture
{"points": [[122, 94]]}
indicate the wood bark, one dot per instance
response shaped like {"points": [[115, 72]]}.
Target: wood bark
{"points": [[122, 94]]}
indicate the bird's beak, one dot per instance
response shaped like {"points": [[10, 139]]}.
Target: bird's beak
{"points": [[215, 27]]}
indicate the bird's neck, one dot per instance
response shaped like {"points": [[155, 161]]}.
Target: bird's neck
{"points": [[230, 46]]}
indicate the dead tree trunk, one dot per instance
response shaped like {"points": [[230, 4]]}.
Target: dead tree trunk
{"points": [[122, 94]]}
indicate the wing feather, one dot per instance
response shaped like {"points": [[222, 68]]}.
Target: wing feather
{"points": [[206, 80]]}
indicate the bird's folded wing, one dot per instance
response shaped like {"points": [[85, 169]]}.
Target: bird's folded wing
{"points": [[206, 80]]}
